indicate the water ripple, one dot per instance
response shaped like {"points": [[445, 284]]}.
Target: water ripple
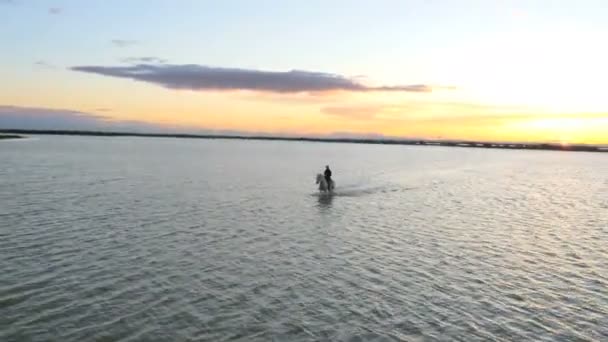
{"points": [[139, 239]]}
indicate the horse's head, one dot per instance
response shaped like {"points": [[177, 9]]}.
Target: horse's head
{"points": [[319, 178]]}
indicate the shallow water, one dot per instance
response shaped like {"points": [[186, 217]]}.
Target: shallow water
{"points": [[144, 239]]}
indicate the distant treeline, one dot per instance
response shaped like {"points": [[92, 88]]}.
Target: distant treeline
{"points": [[473, 144]]}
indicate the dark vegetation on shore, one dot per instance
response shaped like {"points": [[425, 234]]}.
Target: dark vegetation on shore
{"points": [[10, 136], [473, 144]]}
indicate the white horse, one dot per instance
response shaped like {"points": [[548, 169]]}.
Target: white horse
{"points": [[323, 183]]}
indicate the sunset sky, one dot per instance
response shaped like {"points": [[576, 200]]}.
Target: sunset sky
{"points": [[479, 70]]}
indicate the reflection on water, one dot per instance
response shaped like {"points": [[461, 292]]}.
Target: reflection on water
{"points": [[144, 239], [325, 200]]}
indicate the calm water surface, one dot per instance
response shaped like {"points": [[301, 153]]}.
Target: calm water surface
{"points": [[143, 239]]}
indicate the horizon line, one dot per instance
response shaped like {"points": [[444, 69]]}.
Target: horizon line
{"points": [[372, 141]]}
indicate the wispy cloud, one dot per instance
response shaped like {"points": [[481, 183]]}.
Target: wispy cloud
{"points": [[449, 113], [375, 111], [17, 117], [501, 118], [46, 118], [44, 65], [124, 42], [137, 60], [199, 77], [40, 118], [55, 10]]}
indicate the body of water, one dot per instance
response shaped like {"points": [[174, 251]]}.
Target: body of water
{"points": [[162, 239]]}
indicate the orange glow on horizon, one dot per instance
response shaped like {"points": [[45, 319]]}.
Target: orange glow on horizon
{"points": [[449, 114]]}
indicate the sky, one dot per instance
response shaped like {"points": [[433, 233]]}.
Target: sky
{"points": [[532, 70]]}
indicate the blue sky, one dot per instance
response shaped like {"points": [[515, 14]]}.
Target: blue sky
{"points": [[317, 35]]}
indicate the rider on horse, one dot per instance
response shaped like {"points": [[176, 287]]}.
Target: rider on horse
{"points": [[328, 177]]}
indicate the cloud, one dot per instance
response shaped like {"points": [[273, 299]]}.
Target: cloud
{"points": [[55, 10], [316, 99], [45, 118], [137, 60], [422, 88], [199, 77], [373, 111], [503, 118], [44, 65], [448, 113], [124, 42], [39, 118], [15, 117]]}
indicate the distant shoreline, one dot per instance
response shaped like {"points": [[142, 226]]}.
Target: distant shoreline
{"points": [[11, 134]]}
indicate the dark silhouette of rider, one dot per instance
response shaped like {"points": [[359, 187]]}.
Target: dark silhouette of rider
{"points": [[327, 174]]}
